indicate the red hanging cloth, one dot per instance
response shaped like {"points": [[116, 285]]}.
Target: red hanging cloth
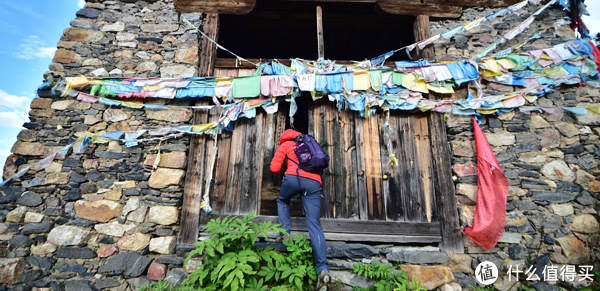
{"points": [[596, 54], [492, 189]]}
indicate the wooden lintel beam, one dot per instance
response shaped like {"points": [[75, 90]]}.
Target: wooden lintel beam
{"points": [[238, 7], [434, 10], [474, 2]]}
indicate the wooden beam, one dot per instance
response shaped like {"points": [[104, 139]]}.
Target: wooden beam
{"points": [[474, 2], [443, 185], [238, 7], [320, 38], [194, 182], [421, 32], [352, 226], [435, 10]]}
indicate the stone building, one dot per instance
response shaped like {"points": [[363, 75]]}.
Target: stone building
{"points": [[90, 218]]}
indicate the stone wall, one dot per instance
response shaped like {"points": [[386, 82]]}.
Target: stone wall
{"points": [[89, 218], [551, 162]]}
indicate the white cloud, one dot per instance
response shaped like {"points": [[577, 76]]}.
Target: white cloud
{"points": [[80, 3], [12, 119], [13, 101], [33, 48]]}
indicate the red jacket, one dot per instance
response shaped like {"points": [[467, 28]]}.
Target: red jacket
{"points": [[287, 149]]}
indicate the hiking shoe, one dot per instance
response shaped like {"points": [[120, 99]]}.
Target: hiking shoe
{"points": [[323, 281], [282, 238]]}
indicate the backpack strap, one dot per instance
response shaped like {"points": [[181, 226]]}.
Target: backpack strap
{"points": [[304, 192]]}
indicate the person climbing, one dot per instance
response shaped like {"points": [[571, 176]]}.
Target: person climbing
{"points": [[310, 184]]}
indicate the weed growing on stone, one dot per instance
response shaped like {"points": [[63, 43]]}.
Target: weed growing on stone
{"points": [[387, 279]]}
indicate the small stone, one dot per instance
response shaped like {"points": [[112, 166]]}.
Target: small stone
{"points": [[134, 242], [147, 66], [170, 115], [64, 56], [500, 139], [107, 283], [138, 215], [558, 258], [101, 211], [562, 209], [114, 115], [552, 197], [132, 205], [156, 271], [575, 250], [550, 222], [550, 139], [106, 251], [459, 263], [175, 160], [517, 252], [187, 55], [177, 71], [113, 229], [567, 129], [73, 195], [114, 27], [161, 27], [163, 245], [10, 270], [43, 249], [465, 170], [558, 171], [119, 126], [32, 217], [67, 236], [113, 194], [20, 241], [163, 215], [586, 223], [194, 263], [27, 148], [75, 253], [430, 276], [538, 122], [164, 177], [30, 199], [510, 238], [16, 215]]}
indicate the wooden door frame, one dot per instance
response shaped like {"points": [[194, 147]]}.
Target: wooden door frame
{"points": [[443, 184]]}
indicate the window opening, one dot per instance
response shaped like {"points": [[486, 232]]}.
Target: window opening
{"points": [[283, 30], [300, 123]]}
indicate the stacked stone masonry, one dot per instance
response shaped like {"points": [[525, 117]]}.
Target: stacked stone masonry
{"points": [[91, 218]]}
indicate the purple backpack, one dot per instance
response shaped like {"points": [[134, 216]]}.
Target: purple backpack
{"points": [[310, 154]]}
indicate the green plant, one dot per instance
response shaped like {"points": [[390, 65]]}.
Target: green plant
{"points": [[157, 286], [296, 270], [230, 259], [387, 279]]}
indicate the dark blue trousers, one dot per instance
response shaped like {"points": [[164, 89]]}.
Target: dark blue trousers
{"points": [[312, 209]]}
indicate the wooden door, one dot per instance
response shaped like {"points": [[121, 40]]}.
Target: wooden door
{"points": [[238, 167]]}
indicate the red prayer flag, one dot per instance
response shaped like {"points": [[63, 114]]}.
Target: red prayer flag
{"points": [[492, 189]]}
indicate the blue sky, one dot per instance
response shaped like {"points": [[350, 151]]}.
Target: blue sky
{"points": [[30, 31]]}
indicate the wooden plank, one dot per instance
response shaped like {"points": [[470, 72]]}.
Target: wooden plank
{"points": [[322, 135], [395, 208], [215, 6], [347, 175], [251, 178], [424, 154], [222, 165], [359, 169], [475, 2], [408, 168], [320, 37], [443, 185], [280, 128], [435, 10], [373, 175], [192, 193], [236, 167], [266, 190], [353, 226], [385, 158], [421, 32], [252, 164]]}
